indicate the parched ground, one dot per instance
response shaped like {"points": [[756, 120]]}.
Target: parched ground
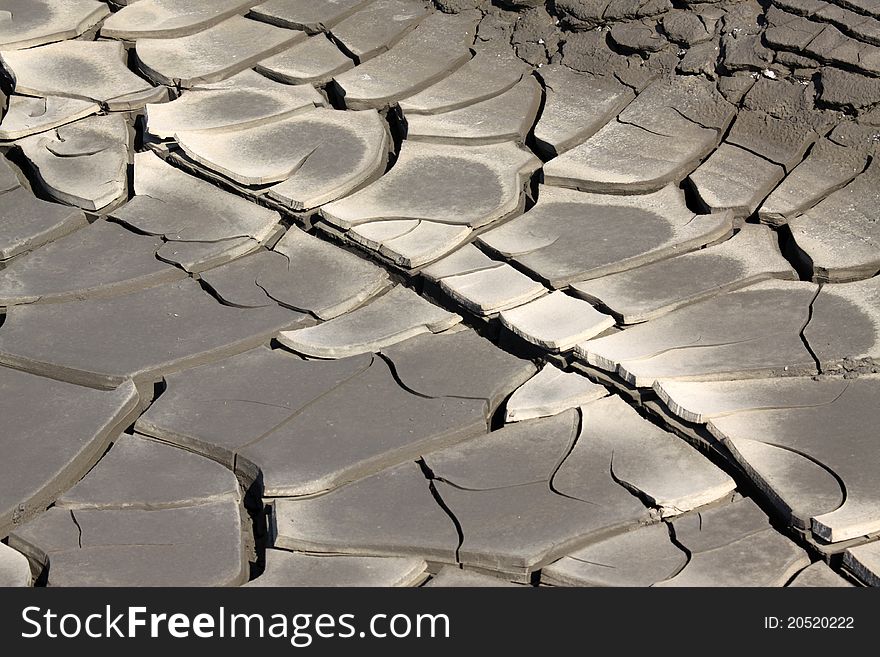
{"points": [[387, 292]]}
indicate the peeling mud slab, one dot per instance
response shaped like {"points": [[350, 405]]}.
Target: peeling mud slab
{"points": [[309, 159], [217, 409], [29, 23], [808, 444], [408, 243], [53, 433], [551, 392], [734, 545], [187, 546], [658, 139], [526, 493], [160, 19], [143, 335], [493, 70], [735, 179], [194, 257], [787, 328], [507, 117], [185, 211], [310, 15], [465, 260], [244, 100], [101, 259], [427, 205], [556, 322], [27, 116], [8, 178], [392, 513], [571, 236], [638, 558], [27, 222], [147, 515], [521, 497], [827, 168], [385, 410], [300, 272], [467, 185], [439, 45], [313, 60], [382, 425], [840, 235], [655, 289], [141, 473], [489, 291], [89, 70], [567, 120], [85, 163], [396, 316], [458, 363], [378, 26], [213, 54], [782, 141], [654, 464]]}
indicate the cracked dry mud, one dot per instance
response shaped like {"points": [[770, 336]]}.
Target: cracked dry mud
{"points": [[450, 293]]}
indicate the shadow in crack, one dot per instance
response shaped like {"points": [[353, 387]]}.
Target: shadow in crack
{"points": [[260, 515]]}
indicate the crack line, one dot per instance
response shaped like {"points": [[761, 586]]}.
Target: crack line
{"points": [[803, 332], [429, 475], [78, 527]]}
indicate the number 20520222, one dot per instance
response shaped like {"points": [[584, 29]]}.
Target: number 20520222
{"points": [[810, 623]]}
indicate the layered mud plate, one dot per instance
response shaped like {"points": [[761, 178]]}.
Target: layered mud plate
{"points": [[451, 292]]}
